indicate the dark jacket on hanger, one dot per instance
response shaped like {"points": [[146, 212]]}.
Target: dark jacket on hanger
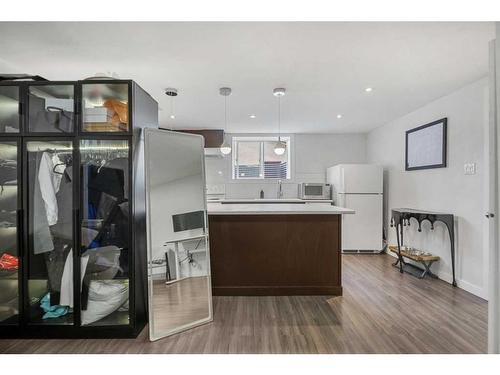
{"points": [[64, 227]]}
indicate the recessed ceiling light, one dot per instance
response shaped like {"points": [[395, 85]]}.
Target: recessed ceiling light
{"points": [[339, 116], [172, 116], [252, 116], [369, 89]]}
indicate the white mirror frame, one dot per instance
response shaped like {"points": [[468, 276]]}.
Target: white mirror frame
{"points": [[153, 336]]}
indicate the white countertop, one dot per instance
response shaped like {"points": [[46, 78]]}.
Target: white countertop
{"points": [[270, 200], [275, 209]]}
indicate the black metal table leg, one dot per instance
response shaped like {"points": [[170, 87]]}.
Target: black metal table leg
{"points": [[451, 232], [401, 260], [399, 236]]}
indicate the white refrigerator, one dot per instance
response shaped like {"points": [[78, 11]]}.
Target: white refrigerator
{"points": [[359, 187]]}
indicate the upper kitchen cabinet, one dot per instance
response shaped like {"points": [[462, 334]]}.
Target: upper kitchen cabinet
{"points": [[9, 109], [51, 108], [213, 138], [105, 107]]}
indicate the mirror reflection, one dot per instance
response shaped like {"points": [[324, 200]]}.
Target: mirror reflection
{"points": [[178, 256]]}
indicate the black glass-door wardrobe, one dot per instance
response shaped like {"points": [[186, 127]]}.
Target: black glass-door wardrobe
{"points": [[72, 208]]}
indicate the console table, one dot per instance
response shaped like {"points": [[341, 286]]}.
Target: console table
{"points": [[401, 218]]}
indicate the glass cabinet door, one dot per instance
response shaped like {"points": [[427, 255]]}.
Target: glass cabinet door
{"points": [[50, 231], [9, 109], [51, 109], [105, 231], [9, 246], [105, 107]]}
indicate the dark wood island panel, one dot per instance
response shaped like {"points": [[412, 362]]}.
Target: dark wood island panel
{"points": [[282, 254]]}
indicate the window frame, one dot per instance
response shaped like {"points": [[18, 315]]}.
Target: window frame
{"points": [[234, 157]]}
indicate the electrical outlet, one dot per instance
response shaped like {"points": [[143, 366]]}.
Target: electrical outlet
{"points": [[469, 168]]}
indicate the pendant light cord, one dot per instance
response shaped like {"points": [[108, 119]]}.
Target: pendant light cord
{"points": [[225, 113], [172, 111], [279, 118], [225, 147]]}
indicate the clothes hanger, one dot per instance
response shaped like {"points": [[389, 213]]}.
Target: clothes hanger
{"points": [[58, 165], [66, 162], [103, 161]]}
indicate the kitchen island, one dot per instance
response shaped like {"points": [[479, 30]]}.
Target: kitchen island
{"points": [[275, 248]]}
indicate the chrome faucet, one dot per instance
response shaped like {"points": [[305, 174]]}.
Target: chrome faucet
{"points": [[280, 189]]}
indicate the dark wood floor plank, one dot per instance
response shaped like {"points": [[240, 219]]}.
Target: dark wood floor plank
{"points": [[381, 311]]}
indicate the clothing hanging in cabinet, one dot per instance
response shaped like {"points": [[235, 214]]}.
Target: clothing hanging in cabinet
{"points": [[105, 232], [52, 221], [53, 189]]}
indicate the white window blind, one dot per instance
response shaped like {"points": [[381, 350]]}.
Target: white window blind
{"points": [[254, 158]]}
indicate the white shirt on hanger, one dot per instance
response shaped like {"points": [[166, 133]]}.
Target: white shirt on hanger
{"points": [[49, 184]]}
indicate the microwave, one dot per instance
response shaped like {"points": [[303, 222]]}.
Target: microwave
{"points": [[314, 191]]}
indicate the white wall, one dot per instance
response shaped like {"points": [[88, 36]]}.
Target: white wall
{"points": [[493, 193], [311, 155], [443, 189]]}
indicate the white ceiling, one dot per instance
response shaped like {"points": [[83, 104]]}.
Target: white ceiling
{"points": [[325, 67]]}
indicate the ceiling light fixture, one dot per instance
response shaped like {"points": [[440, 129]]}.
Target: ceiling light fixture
{"points": [[225, 148], [280, 146], [252, 116], [339, 116], [369, 89], [171, 93]]}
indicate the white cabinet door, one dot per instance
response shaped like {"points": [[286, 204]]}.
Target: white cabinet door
{"points": [[362, 230]]}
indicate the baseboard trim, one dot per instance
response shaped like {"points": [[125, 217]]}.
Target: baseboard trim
{"points": [[465, 285], [473, 289]]}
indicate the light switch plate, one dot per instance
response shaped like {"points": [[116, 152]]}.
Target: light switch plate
{"points": [[469, 168]]}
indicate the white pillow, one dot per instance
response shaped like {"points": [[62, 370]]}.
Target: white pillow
{"points": [[105, 296]]}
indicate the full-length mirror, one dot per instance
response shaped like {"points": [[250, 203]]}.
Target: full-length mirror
{"points": [[178, 254]]}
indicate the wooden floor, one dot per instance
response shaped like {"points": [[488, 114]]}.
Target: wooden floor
{"points": [[179, 303], [381, 311]]}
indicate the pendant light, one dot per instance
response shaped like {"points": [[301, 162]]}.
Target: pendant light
{"points": [[171, 93], [280, 146], [225, 148]]}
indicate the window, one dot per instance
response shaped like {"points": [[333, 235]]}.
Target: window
{"points": [[254, 158]]}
